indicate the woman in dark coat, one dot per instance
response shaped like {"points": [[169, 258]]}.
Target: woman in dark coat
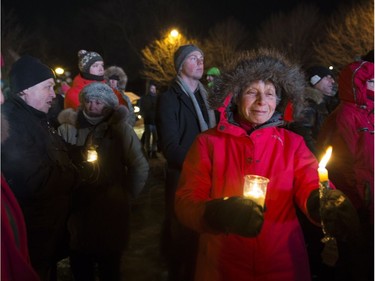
{"points": [[99, 222]]}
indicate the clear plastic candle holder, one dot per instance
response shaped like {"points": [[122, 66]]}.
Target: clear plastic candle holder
{"points": [[255, 188]]}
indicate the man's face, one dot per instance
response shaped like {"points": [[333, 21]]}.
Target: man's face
{"points": [[97, 68], [326, 85], [40, 96], [153, 89], [193, 65]]}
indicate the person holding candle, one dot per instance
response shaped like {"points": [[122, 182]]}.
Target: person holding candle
{"points": [[239, 239], [114, 169], [350, 131]]}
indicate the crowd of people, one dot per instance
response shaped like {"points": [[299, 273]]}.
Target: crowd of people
{"points": [[70, 166]]}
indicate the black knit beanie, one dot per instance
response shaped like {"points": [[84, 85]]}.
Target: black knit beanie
{"points": [[317, 73], [28, 71]]}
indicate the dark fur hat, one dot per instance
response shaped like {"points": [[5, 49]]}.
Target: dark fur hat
{"points": [[120, 73], [262, 64]]}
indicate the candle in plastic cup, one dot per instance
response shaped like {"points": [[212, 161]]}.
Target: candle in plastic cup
{"points": [[255, 188]]}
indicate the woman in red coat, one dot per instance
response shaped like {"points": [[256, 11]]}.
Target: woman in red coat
{"points": [[239, 239], [350, 131]]}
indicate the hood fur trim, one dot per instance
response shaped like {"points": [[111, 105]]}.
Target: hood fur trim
{"points": [[68, 115], [119, 115], [314, 95], [116, 70], [262, 64]]}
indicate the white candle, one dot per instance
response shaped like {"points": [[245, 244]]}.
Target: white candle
{"points": [[323, 173]]}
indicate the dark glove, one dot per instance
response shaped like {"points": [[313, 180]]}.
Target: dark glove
{"points": [[236, 215], [337, 213]]}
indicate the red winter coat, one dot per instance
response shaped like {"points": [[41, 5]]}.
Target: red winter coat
{"points": [[350, 131], [15, 261], [72, 96], [215, 167]]}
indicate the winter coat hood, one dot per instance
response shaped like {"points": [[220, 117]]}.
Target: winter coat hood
{"points": [[314, 95], [76, 118], [118, 71], [352, 83], [262, 64]]}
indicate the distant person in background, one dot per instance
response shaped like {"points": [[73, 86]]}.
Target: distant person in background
{"points": [[211, 74], [36, 164], [91, 69], [350, 131], [147, 106], [320, 98], [319, 101], [182, 113], [57, 104], [99, 223], [117, 79]]}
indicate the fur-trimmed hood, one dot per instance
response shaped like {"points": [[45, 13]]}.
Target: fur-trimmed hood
{"points": [[262, 64], [116, 70], [314, 94], [74, 118]]}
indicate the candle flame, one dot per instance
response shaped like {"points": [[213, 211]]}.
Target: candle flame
{"points": [[325, 159]]}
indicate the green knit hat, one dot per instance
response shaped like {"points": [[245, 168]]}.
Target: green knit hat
{"points": [[213, 71]]}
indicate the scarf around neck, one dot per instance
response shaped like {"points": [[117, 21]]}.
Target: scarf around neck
{"points": [[211, 115]]}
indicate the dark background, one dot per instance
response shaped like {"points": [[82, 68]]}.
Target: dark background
{"points": [[66, 26]]}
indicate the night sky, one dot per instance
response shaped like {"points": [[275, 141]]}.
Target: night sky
{"points": [[62, 17]]}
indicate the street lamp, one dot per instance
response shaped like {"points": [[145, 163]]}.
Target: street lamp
{"points": [[174, 37], [174, 33], [59, 71]]}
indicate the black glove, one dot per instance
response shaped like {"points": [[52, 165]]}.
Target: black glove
{"points": [[236, 215], [337, 213]]}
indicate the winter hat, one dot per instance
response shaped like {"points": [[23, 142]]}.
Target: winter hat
{"points": [[114, 77], [181, 54], [262, 64], [99, 91], [317, 73], [27, 72], [213, 71], [114, 71], [87, 59]]}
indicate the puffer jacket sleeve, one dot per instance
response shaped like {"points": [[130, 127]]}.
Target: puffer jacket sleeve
{"points": [[194, 186], [135, 161]]}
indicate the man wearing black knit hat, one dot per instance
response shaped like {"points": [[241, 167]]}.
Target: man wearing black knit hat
{"points": [[320, 100], [182, 113], [35, 162]]}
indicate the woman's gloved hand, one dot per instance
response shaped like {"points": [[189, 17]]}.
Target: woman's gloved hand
{"points": [[337, 213], [235, 215]]}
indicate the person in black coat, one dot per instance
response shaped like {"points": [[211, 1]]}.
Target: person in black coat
{"points": [[182, 113], [147, 105], [36, 164]]}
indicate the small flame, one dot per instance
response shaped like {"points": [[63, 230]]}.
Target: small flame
{"points": [[326, 157]]}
